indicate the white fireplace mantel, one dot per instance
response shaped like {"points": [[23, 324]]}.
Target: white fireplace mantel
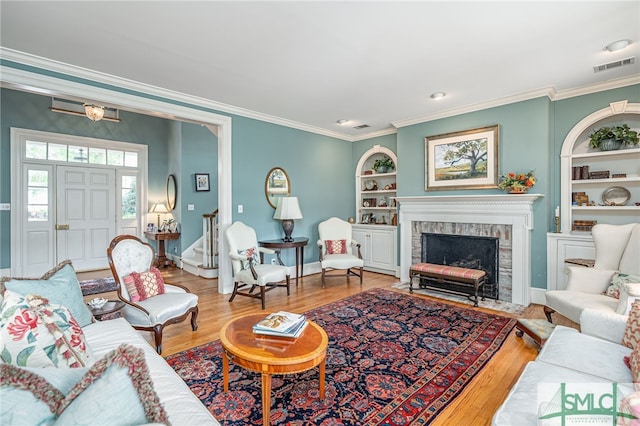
{"points": [[504, 209]]}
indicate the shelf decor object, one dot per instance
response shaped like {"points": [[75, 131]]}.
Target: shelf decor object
{"points": [[616, 196], [462, 160], [287, 210], [609, 138]]}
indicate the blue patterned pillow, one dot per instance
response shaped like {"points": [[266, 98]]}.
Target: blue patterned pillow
{"points": [[119, 381], [60, 286]]}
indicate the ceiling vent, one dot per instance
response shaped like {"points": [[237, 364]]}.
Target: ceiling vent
{"points": [[614, 64], [362, 126]]}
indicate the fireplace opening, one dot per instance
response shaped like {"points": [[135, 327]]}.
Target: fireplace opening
{"points": [[465, 251]]}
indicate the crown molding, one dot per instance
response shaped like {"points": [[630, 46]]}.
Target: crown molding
{"points": [[123, 84], [600, 87], [550, 92]]}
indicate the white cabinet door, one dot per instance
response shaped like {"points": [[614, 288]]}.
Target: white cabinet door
{"points": [[378, 246]]}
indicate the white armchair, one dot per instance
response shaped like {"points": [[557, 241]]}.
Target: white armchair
{"points": [[248, 269], [337, 248], [617, 250], [128, 254]]}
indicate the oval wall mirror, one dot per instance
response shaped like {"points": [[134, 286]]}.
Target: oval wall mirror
{"points": [[277, 185], [172, 192]]}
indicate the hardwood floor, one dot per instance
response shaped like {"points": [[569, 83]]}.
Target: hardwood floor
{"points": [[475, 405]]}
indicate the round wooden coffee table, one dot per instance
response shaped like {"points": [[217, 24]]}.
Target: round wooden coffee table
{"points": [[270, 355]]}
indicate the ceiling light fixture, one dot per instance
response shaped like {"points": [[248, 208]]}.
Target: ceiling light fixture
{"points": [[94, 112], [438, 95], [342, 122], [617, 45]]}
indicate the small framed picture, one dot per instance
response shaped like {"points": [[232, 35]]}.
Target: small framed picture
{"points": [[366, 218], [202, 182], [151, 227]]}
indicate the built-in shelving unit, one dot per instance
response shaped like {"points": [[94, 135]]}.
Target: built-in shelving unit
{"points": [[376, 212], [577, 243]]}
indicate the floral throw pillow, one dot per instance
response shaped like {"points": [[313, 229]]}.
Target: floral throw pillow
{"points": [[148, 284], [336, 246], [34, 333], [632, 330], [121, 378], [250, 253]]}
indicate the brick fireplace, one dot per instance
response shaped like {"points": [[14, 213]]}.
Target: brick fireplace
{"points": [[506, 217]]}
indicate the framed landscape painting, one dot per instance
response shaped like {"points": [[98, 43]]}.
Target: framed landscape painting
{"points": [[462, 160]]}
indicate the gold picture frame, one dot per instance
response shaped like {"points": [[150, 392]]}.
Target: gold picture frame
{"points": [[462, 160]]}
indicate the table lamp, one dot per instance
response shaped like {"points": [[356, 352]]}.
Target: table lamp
{"points": [[287, 210], [159, 208]]}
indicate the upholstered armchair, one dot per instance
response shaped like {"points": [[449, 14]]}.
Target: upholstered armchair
{"points": [[617, 262], [337, 249], [248, 269], [150, 303]]}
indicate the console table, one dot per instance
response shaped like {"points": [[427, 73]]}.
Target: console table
{"points": [[161, 237], [298, 243]]}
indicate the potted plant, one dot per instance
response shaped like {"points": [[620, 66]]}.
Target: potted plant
{"points": [[613, 137], [383, 165]]}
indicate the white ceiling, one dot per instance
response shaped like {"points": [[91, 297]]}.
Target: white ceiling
{"points": [[313, 63]]}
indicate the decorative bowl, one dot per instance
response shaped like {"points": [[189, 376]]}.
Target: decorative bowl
{"points": [[97, 303]]}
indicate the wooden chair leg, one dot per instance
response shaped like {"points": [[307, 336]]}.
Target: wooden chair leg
{"points": [[157, 334], [262, 292], [361, 275], [322, 277], [548, 311], [194, 316], [235, 291], [288, 282]]}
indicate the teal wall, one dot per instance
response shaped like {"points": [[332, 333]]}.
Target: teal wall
{"points": [[321, 169], [524, 145]]}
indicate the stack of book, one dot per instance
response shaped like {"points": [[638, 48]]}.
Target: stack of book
{"points": [[283, 324]]}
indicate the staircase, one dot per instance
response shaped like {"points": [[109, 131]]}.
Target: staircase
{"points": [[201, 258]]}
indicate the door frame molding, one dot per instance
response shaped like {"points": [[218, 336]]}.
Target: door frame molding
{"points": [[34, 74], [19, 136]]}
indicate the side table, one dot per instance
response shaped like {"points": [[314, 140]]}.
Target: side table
{"points": [[109, 310], [269, 355], [298, 243], [161, 237]]}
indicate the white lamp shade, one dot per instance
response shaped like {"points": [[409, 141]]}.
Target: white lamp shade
{"points": [[159, 208], [288, 208]]}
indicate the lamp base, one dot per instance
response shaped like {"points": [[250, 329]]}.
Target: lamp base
{"points": [[287, 227]]}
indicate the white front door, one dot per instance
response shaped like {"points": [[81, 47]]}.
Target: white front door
{"points": [[85, 215]]}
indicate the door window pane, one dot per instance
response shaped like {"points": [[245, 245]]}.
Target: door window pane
{"points": [[37, 150], [131, 159], [57, 152], [115, 158], [78, 154], [37, 195], [97, 156], [129, 205]]}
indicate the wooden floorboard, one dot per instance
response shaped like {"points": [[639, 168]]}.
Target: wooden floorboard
{"points": [[475, 405]]}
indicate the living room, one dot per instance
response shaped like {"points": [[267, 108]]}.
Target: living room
{"points": [[185, 135]]}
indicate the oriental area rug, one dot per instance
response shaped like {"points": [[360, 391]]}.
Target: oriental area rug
{"points": [[392, 359]]}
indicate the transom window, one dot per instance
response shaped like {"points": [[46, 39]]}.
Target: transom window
{"points": [[80, 154]]}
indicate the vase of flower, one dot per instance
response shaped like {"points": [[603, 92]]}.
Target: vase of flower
{"points": [[517, 183], [517, 190]]}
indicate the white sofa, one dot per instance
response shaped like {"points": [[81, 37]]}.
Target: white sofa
{"points": [[594, 355], [182, 406]]}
